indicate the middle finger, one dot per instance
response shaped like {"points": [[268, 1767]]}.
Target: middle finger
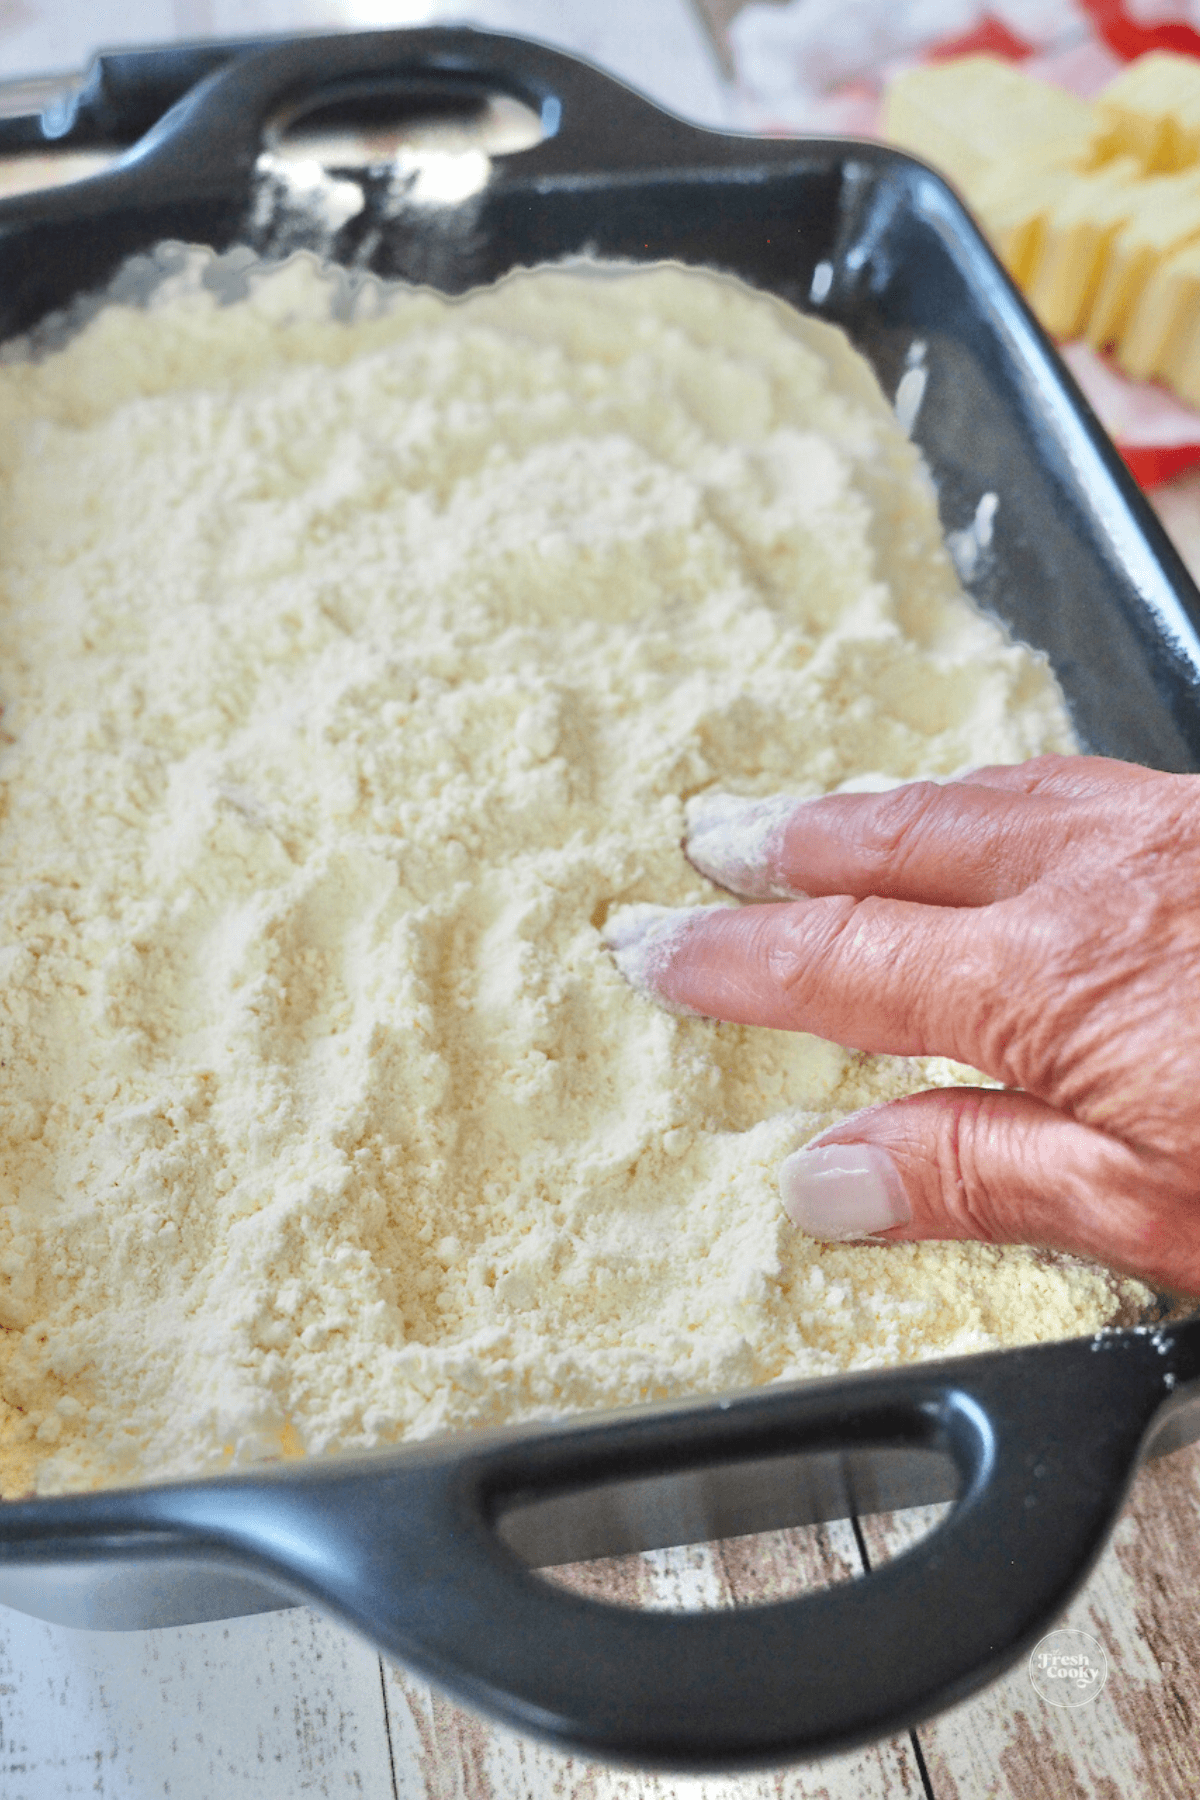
{"points": [[878, 975]]}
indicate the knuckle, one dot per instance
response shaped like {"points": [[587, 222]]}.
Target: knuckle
{"points": [[1045, 773], [892, 829], [938, 1139], [797, 955], [842, 955], [825, 949], [964, 1168]]}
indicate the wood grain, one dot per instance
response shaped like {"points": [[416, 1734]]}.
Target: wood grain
{"points": [[282, 1705], [1138, 1739]]}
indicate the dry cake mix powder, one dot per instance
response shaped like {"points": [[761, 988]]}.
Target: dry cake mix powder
{"points": [[352, 675]]}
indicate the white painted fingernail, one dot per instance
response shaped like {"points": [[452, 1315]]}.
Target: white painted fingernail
{"points": [[738, 842], [838, 1191], [644, 941]]}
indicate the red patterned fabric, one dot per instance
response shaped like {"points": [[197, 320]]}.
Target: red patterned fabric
{"points": [[990, 38], [1129, 39]]}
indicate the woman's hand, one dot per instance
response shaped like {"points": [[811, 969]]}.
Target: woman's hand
{"points": [[1040, 922]]}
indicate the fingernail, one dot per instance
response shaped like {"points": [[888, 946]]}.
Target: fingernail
{"points": [[839, 1191], [738, 842], [644, 941]]}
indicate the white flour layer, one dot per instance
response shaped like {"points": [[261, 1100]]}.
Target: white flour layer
{"points": [[352, 676]]}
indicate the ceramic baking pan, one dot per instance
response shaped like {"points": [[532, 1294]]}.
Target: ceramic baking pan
{"points": [[427, 1549]]}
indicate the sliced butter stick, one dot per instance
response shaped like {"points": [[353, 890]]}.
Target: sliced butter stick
{"points": [[1152, 111], [1160, 340], [974, 112], [1013, 201], [1183, 356], [1080, 226], [1167, 218]]}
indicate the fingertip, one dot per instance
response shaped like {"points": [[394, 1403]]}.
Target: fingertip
{"points": [[645, 941], [630, 926], [737, 842]]}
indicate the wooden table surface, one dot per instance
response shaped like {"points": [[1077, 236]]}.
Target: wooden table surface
{"points": [[287, 1704]]}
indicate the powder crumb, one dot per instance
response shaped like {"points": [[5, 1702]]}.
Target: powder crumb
{"points": [[356, 675]]}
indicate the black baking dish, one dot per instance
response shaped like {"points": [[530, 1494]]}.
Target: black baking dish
{"points": [[426, 1549]]}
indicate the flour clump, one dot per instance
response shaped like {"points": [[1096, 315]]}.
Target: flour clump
{"points": [[354, 675]]}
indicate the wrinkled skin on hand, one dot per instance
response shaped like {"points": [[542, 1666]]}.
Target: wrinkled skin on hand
{"points": [[1040, 922]]}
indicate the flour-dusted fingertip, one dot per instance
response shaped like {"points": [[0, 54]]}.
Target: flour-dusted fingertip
{"points": [[632, 926], [737, 841], [838, 1192], [645, 940]]}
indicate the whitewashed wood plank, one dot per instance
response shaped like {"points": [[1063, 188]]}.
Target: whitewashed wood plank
{"points": [[278, 1706], [444, 1753], [1139, 1739]]}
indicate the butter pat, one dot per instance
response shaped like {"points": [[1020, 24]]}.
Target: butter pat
{"points": [[1166, 217], [1079, 229], [1157, 342], [976, 112], [1013, 201], [1152, 111], [1093, 208]]}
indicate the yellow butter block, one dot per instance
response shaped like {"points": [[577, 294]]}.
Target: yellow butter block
{"points": [[1152, 111], [1013, 201], [1079, 228], [1183, 362], [1166, 218], [1157, 342], [975, 111]]}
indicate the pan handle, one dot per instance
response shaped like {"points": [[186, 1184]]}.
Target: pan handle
{"points": [[407, 1548], [209, 143], [195, 174], [204, 151]]}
